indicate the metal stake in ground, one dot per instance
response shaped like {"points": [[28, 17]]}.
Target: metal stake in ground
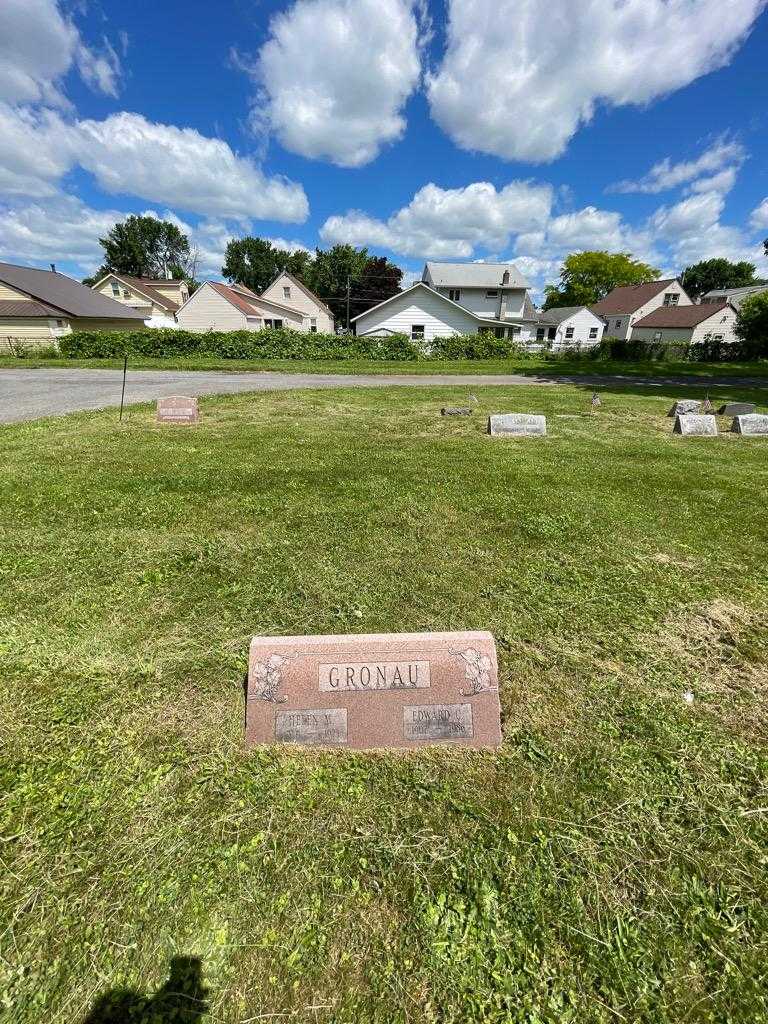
{"points": [[122, 396]]}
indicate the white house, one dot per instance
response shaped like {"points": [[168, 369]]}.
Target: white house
{"points": [[694, 323], [233, 307], [157, 299], [733, 295], [625, 306], [290, 291], [565, 327], [456, 298]]}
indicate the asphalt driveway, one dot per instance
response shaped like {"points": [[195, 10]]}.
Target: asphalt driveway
{"points": [[27, 394]]}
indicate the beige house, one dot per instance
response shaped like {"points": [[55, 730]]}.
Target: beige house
{"points": [[224, 307], [152, 297], [688, 323], [290, 291], [625, 306], [40, 306]]}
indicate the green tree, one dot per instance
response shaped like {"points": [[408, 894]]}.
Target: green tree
{"points": [[255, 262], [147, 247], [371, 279], [752, 325], [587, 277], [717, 273]]}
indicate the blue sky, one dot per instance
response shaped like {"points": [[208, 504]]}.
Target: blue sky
{"points": [[464, 129]]}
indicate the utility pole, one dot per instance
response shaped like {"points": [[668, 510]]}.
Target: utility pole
{"points": [[349, 293]]}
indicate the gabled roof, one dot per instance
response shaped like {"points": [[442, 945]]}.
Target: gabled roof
{"points": [[443, 298], [145, 286], [557, 314], [736, 293], [26, 307], [473, 275], [629, 298], [300, 284], [64, 294], [248, 302], [682, 316]]}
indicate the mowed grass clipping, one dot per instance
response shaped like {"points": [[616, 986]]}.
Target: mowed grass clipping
{"points": [[608, 864]]}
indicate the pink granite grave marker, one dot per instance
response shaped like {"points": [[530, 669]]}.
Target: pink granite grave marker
{"points": [[374, 690], [179, 410]]}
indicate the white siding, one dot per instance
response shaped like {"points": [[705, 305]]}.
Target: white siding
{"points": [[209, 311], [293, 318], [620, 324], [422, 307], [581, 322], [300, 300], [475, 299], [722, 322]]}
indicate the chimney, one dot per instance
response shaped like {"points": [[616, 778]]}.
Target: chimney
{"points": [[53, 268], [502, 297], [505, 277]]}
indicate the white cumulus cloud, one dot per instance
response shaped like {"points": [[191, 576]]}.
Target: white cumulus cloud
{"points": [[519, 77], [714, 170], [449, 222], [335, 74], [39, 45], [759, 217]]}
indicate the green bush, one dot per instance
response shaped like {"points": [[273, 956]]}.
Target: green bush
{"points": [[474, 346], [679, 351], [752, 325], [266, 344]]}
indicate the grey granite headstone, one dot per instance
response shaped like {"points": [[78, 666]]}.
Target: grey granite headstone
{"points": [[695, 426], [754, 425], [455, 411], [517, 424], [684, 406], [736, 409]]}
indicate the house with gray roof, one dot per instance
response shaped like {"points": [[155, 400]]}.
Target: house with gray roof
{"points": [[40, 306], [735, 296], [564, 327]]}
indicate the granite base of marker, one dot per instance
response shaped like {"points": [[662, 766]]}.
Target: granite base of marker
{"points": [[374, 691], [754, 425], [695, 426]]}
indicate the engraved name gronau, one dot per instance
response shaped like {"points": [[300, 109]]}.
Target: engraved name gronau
{"points": [[374, 675], [321, 726], [438, 722]]}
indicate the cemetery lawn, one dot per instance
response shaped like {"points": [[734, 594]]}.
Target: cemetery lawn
{"points": [[529, 365], [608, 864]]}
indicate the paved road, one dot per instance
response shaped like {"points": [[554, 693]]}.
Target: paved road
{"points": [[30, 394]]}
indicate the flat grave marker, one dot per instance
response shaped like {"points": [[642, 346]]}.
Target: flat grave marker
{"points": [[754, 425], [517, 424], [455, 411], [374, 691], [179, 410], [737, 409], [695, 426], [684, 406]]}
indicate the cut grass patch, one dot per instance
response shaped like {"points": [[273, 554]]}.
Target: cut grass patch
{"points": [[608, 863]]}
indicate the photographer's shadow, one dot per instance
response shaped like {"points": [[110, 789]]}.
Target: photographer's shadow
{"points": [[181, 1000]]}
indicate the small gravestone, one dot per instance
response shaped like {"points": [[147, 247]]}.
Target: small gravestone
{"points": [[374, 690], [517, 424], [455, 411], [736, 409], [179, 410], [695, 426], [684, 406], [753, 425]]}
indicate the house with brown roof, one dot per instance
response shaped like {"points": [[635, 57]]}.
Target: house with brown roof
{"points": [[624, 306], [694, 323], [234, 307], [155, 298], [40, 306]]}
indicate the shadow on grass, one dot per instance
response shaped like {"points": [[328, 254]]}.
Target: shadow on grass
{"points": [[181, 1000]]}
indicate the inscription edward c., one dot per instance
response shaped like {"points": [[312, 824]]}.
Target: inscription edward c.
{"points": [[373, 675]]}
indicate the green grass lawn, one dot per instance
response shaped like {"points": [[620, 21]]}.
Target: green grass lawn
{"points": [[529, 365], [608, 864]]}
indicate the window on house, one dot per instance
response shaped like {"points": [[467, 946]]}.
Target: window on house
{"points": [[657, 335], [552, 333], [618, 323], [499, 332], [277, 324], [116, 289], [126, 294], [593, 333], [569, 332], [313, 326], [539, 334], [59, 323], [717, 337], [671, 298], [417, 332], [515, 331], [454, 294], [492, 293], [286, 292]]}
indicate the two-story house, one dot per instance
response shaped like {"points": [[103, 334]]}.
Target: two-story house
{"points": [[624, 306], [157, 299], [456, 298]]}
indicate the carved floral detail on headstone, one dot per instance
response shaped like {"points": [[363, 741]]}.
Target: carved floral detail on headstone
{"points": [[269, 674], [477, 670]]}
